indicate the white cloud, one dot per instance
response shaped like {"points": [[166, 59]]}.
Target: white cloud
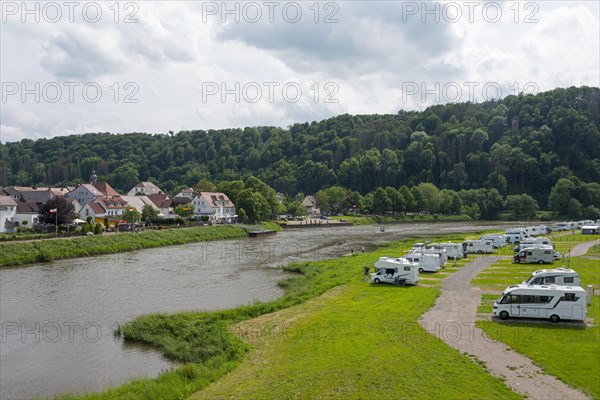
{"points": [[370, 55]]}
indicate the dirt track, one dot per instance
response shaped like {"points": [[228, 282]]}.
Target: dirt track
{"points": [[452, 319]]}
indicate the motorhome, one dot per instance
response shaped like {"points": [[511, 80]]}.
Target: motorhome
{"points": [[478, 246], [515, 235], [557, 276], [432, 250], [498, 240], [542, 301], [541, 255], [453, 250], [534, 242], [426, 262], [395, 270]]}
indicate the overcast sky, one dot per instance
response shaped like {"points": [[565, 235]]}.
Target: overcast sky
{"points": [[150, 66]]}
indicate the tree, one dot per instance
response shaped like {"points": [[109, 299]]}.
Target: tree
{"points": [[381, 201], [254, 205], [560, 196], [98, 228], [204, 185], [410, 203], [420, 200], [266, 191], [65, 212], [296, 208], [132, 216], [396, 198], [333, 200], [231, 189], [522, 206], [185, 211], [149, 212]]}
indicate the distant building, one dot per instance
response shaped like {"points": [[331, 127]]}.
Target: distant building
{"points": [[215, 205], [27, 211], [310, 203], [8, 212], [144, 188], [164, 203], [139, 202], [188, 193], [88, 192]]}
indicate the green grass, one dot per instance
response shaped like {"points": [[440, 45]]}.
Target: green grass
{"points": [[363, 342], [579, 347], [570, 353], [15, 253], [361, 220]]}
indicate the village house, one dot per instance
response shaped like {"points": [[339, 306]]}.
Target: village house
{"points": [[139, 202], [187, 193], [164, 203], [216, 206], [144, 189], [27, 211], [310, 203], [8, 212]]}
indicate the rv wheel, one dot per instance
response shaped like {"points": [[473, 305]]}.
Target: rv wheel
{"points": [[480, 252], [503, 315], [518, 260], [554, 318], [420, 270], [376, 280], [541, 261]]}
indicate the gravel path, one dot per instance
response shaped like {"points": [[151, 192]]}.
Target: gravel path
{"points": [[452, 319]]}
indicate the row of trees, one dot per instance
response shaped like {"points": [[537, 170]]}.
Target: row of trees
{"points": [[519, 144]]}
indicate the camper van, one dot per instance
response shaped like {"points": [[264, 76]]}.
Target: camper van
{"points": [[558, 276], [395, 270], [432, 250], [478, 246], [516, 235], [542, 301], [453, 250], [534, 242], [426, 262], [541, 254], [498, 240]]}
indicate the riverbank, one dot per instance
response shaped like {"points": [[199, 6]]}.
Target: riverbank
{"points": [[19, 253], [378, 219], [50, 250]]}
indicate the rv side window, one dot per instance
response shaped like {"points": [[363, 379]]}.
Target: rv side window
{"points": [[537, 281], [528, 299], [529, 253], [568, 279], [549, 279], [407, 268], [545, 299], [546, 251], [569, 296]]}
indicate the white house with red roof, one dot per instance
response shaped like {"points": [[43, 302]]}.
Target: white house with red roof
{"points": [[216, 206], [144, 189]]}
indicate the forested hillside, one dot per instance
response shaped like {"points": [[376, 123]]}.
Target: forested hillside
{"points": [[520, 144]]}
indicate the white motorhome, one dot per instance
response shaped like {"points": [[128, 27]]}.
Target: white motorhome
{"points": [[534, 242], [478, 246], [541, 255], [557, 276], [395, 270], [432, 250], [426, 262], [515, 235], [498, 240], [453, 250], [542, 301]]}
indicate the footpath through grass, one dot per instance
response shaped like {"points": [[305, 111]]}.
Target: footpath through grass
{"points": [[571, 353], [359, 340], [15, 253]]}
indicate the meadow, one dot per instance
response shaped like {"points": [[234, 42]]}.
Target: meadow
{"points": [[579, 347]]}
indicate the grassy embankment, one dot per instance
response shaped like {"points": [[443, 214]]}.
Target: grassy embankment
{"points": [[569, 352], [357, 340], [361, 220], [16, 253]]}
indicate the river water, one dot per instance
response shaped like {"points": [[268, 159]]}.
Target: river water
{"points": [[58, 318]]}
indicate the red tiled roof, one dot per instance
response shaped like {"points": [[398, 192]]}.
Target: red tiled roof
{"points": [[105, 189]]}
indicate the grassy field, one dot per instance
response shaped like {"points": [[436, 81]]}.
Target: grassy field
{"points": [[579, 362], [15, 253]]}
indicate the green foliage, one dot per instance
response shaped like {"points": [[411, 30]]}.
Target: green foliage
{"points": [[522, 206], [132, 216], [185, 211], [333, 200], [296, 208], [65, 212], [453, 146], [98, 229], [255, 206], [149, 213]]}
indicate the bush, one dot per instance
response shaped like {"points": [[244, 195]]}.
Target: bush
{"points": [[98, 229]]}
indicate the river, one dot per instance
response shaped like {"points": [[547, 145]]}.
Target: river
{"points": [[58, 318]]}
